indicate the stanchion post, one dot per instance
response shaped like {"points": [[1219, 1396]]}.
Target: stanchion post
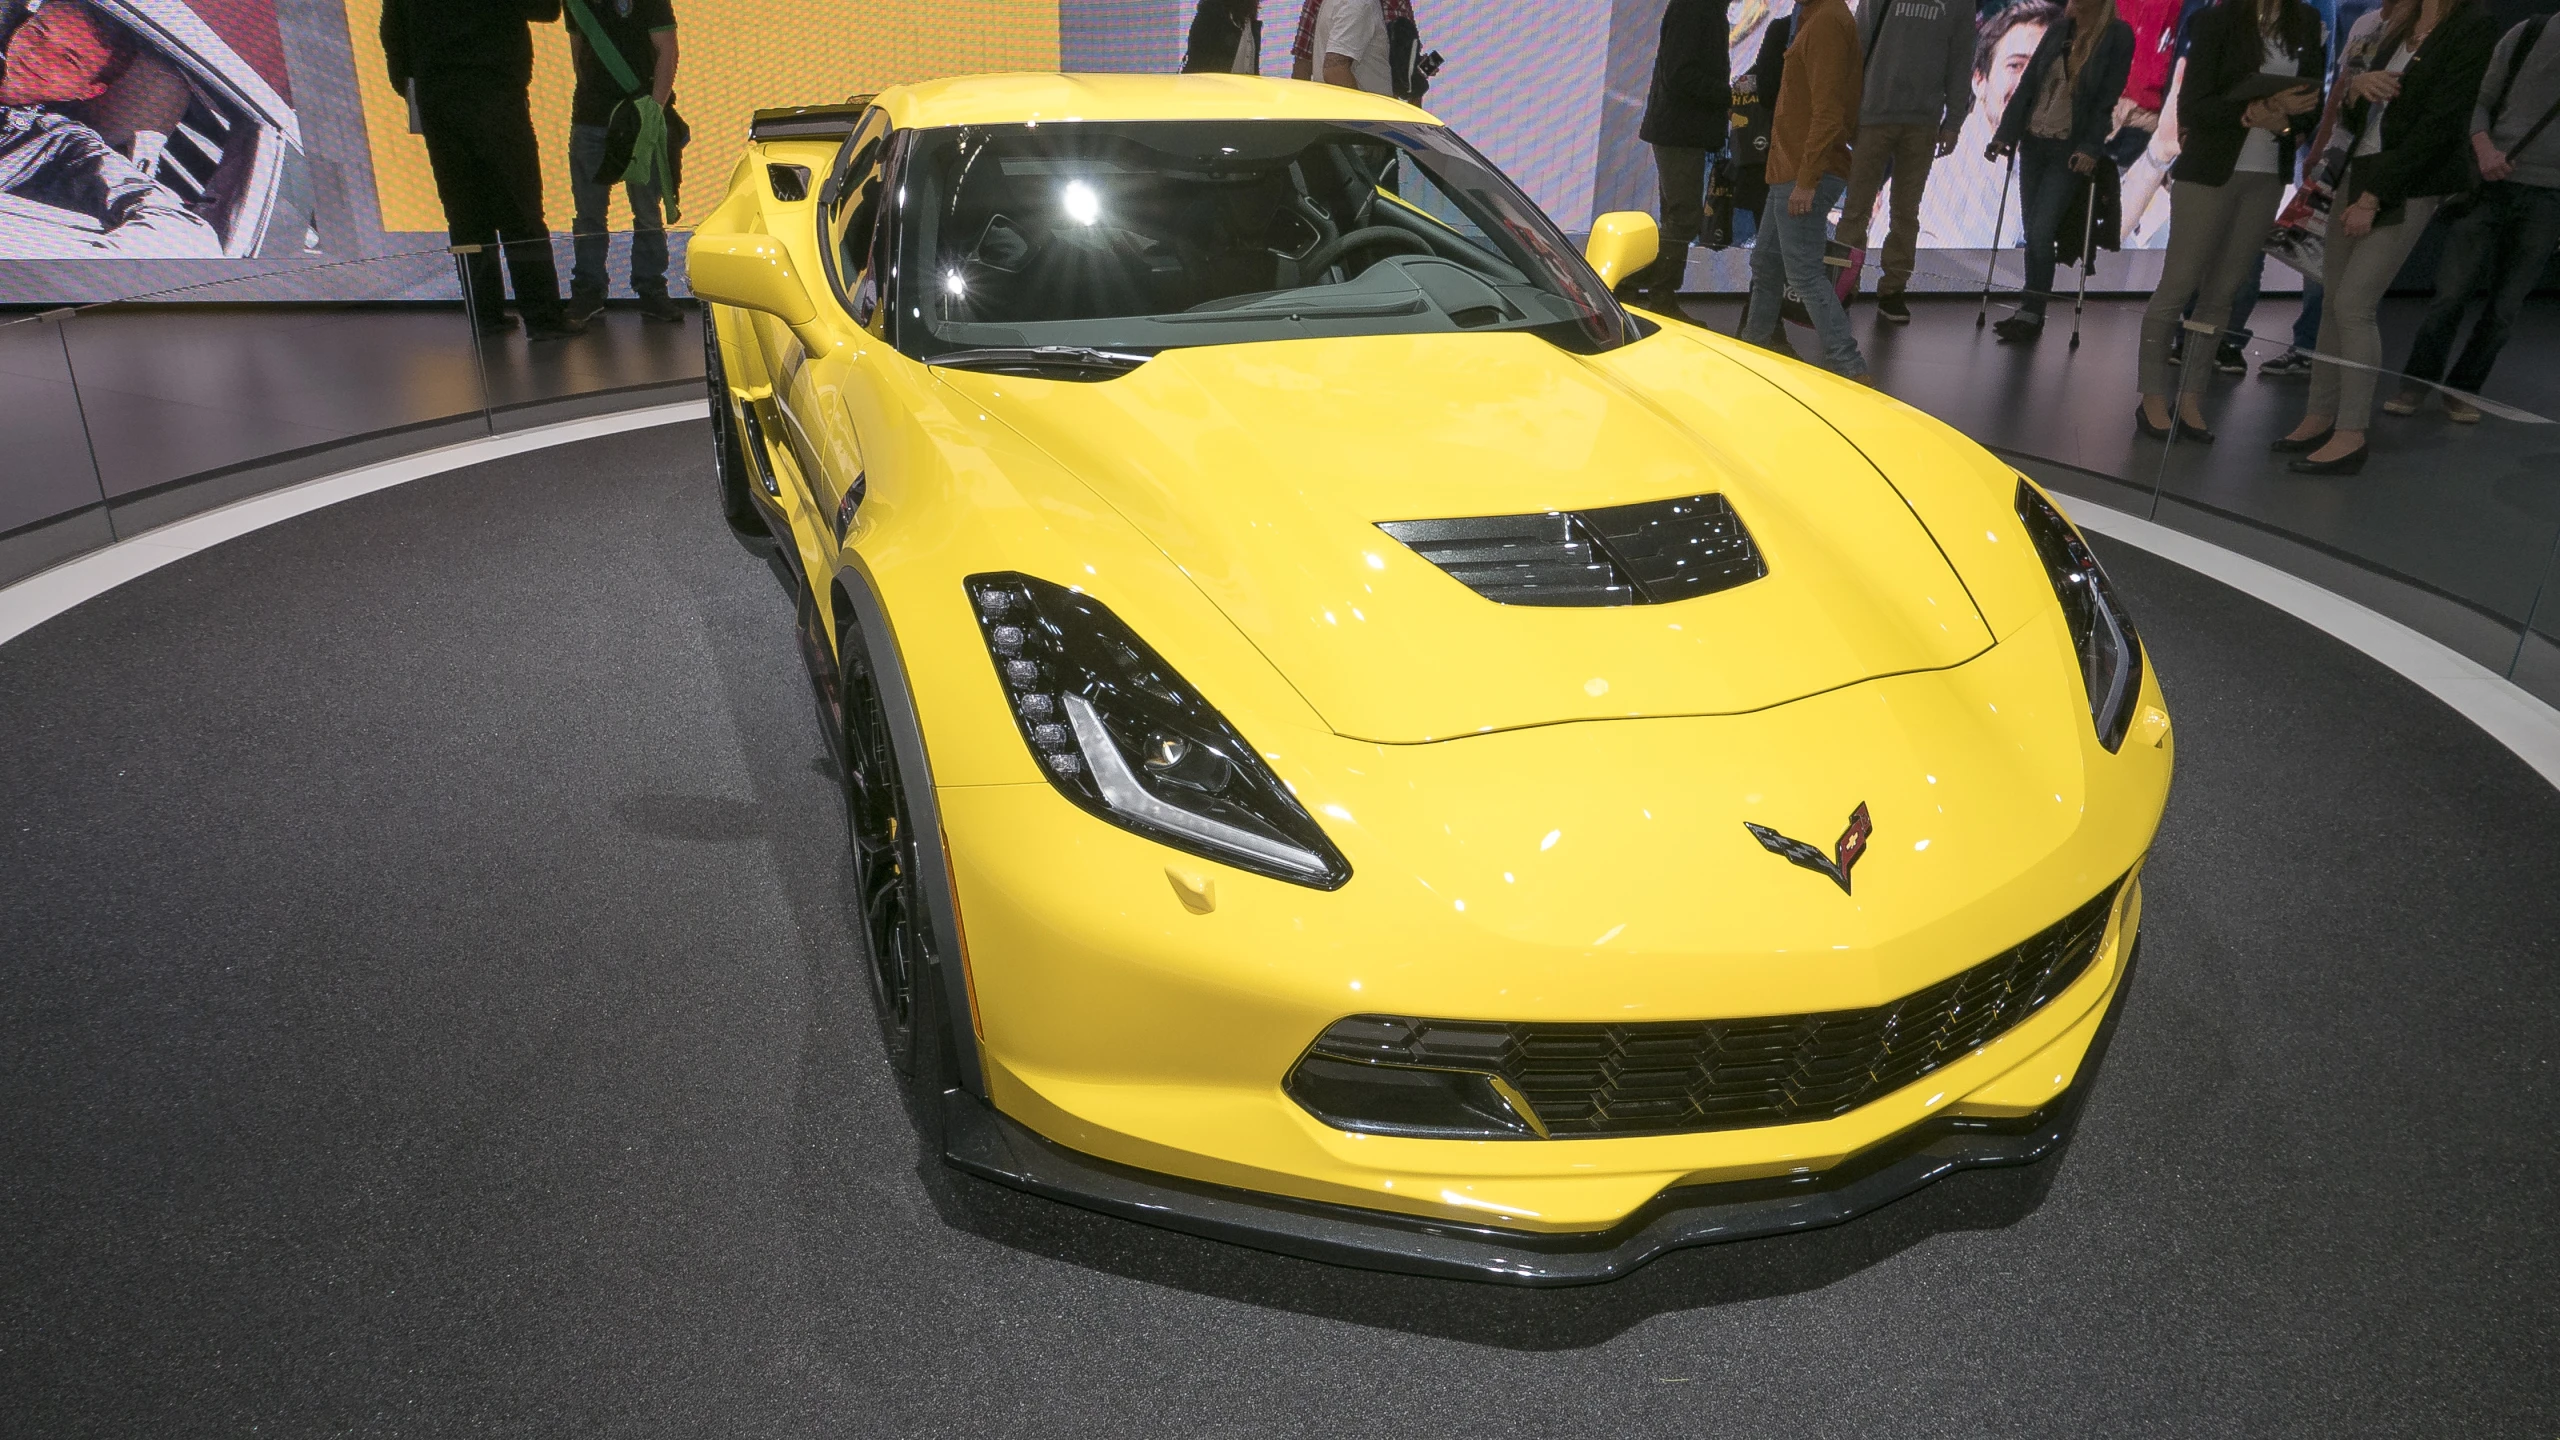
{"points": [[60, 320], [471, 318]]}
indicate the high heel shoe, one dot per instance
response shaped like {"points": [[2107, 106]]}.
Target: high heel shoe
{"points": [[2142, 422], [2189, 430], [2305, 445], [2348, 464]]}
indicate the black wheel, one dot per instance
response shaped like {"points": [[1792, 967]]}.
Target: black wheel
{"points": [[888, 881], [728, 455]]}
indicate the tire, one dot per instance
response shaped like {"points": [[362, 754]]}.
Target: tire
{"points": [[728, 455], [888, 883]]}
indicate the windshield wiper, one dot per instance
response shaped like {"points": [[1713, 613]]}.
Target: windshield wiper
{"points": [[1042, 360]]}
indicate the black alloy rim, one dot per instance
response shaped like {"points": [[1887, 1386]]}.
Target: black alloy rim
{"points": [[884, 848], [728, 454]]}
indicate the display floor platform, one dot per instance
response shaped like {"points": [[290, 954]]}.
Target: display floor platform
{"points": [[431, 1008]]}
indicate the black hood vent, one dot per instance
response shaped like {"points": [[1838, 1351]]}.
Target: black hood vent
{"points": [[1648, 554]]}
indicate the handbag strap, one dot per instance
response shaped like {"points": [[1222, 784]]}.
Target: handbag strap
{"points": [[604, 48], [2515, 67]]}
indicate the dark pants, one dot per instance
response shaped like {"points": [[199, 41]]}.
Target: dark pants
{"points": [[479, 133], [2044, 193], [594, 241], [2306, 321], [1683, 173], [1905, 152], [2504, 242]]}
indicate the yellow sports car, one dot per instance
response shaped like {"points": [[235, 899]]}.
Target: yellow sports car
{"points": [[1359, 744]]}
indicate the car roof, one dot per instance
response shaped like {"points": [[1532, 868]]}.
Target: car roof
{"points": [[1016, 99]]}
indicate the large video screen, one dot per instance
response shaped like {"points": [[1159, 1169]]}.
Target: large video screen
{"points": [[147, 145]]}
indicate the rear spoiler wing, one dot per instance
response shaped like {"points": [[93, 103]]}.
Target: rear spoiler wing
{"points": [[809, 122]]}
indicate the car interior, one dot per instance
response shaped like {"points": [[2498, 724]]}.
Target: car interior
{"points": [[1153, 235]]}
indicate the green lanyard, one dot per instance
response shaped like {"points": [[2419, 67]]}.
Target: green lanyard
{"points": [[606, 50], [649, 164]]}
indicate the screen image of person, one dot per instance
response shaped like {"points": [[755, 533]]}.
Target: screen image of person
{"points": [[65, 192], [1965, 188]]}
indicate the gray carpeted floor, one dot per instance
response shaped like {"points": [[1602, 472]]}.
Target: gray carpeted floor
{"points": [[426, 1006]]}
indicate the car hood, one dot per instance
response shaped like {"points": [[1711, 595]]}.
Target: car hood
{"points": [[1264, 471]]}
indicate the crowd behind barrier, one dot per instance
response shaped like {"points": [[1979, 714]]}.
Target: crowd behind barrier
{"points": [[2317, 139]]}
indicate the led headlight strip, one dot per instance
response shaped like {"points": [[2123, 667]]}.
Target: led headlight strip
{"points": [[1121, 734], [2110, 651]]}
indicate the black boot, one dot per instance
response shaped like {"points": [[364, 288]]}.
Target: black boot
{"points": [[1663, 280]]}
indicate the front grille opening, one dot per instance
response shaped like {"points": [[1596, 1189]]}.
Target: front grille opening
{"points": [[1653, 553], [1686, 1076]]}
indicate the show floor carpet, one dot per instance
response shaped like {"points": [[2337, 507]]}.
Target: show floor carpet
{"points": [[430, 1009]]}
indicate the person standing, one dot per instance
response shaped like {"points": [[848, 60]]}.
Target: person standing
{"points": [[1303, 55], [1808, 173], [467, 64], [643, 36], [2507, 236], [2229, 178], [1755, 100], [1918, 59], [2404, 129], [1684, 121], [2057, 124], [1350, 45], [1226, 38]]}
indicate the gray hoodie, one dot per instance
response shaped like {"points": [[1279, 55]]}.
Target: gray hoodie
{"points": [[2506, 114], [1920, 70]]}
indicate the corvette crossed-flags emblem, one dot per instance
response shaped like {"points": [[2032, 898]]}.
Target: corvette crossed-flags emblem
{"points": [[1844, 852]]}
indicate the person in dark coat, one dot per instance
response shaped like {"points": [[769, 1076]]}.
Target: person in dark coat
{"points": [[1226, 38], [1684, 122], [2236, 152], [2057, 124], [1754, 101], [2425, 80], [468, 64]]}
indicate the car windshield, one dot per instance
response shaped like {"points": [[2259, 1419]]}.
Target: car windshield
{"points": [[1139, 237]]}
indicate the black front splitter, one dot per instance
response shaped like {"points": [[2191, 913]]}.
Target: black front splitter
{"points": [[983, 1142]]}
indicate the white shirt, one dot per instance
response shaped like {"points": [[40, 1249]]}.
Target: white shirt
{"points": [[1357, 31], [1248, 56], [2258, 152], [2370, 142]]}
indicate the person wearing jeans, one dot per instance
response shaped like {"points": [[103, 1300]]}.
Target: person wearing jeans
{"points": [[2507, 237], [644, 34], [594, 240], [2057, 123], [2425, 78], [1787, 255], [1808, 173]]}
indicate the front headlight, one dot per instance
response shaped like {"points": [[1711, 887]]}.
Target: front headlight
{"points": [[2110, 653], [1119, 733]]}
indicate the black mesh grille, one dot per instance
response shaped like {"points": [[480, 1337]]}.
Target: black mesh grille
{"points": [[1683, 1076], [1648, 554]]}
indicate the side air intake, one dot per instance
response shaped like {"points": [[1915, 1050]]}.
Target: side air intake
{"points": [[1648, 554]]}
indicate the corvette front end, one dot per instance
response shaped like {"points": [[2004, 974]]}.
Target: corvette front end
{"points": [[1363, 747]]}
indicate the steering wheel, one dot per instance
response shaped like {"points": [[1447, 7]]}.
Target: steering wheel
{"points": [[1342, 245]]}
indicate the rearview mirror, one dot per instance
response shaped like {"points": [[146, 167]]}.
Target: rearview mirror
{"points": [[1622, 243], [752, 272]]}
